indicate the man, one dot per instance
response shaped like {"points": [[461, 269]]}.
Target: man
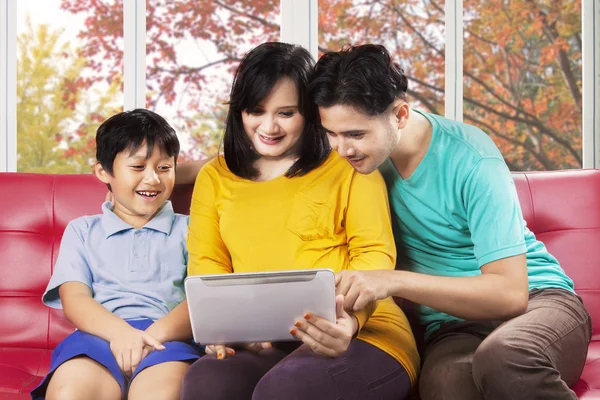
{"points": [[502, 319]]}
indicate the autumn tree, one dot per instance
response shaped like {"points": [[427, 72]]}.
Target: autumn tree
{"points": [[522, 60], [57, 114]]}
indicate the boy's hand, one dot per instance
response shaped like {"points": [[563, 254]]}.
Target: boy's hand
{"points": [[223, 351], [324, 337], [130, 346]]}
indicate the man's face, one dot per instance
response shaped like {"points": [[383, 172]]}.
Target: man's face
{"points": [[365, 141]]}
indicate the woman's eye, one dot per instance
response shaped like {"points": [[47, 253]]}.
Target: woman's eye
{"points": [[255, 111], [287, 113]]}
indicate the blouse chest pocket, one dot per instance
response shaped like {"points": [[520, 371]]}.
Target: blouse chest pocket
{"points": [[310, 219]]}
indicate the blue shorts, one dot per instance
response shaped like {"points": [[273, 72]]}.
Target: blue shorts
{"points": [[83, 344]]}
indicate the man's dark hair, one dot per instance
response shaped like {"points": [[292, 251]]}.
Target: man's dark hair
{"points": [[260, 70], [128, 130], [363, 77]]}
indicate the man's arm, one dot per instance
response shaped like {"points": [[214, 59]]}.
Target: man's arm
{"points": [[499, 293], [497, 231]]}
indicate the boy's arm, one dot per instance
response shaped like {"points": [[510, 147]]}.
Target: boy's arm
{"points": [[369, 231], [187, 172], [173, 326], [87, 314], [500, 292]]}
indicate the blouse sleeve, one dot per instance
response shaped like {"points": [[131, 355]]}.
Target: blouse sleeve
{"points": [[368, 227], [206, 250]]}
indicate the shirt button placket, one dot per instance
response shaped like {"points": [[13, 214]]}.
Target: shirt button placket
{"points": [[134, 249]]}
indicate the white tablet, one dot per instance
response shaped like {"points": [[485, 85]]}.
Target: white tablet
{"points": [[256, 307]]}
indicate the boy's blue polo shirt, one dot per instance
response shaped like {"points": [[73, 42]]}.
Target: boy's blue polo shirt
{"points": [[133, 273]]}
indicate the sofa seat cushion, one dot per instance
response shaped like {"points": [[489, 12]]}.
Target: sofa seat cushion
{"points": [[21, 370], [588, 387]]}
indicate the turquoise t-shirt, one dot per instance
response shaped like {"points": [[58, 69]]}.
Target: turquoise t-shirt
{"points": [[459, 210]]}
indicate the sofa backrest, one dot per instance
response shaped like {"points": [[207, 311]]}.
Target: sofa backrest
{"points": [[562, 208]]}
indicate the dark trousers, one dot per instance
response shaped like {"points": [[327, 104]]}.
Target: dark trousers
{"points": [[363, 372], [537, 355]]}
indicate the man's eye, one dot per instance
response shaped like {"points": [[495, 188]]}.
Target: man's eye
{"points": [[356, 135]]}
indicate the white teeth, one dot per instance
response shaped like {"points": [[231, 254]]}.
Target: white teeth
{"points": [[148, 194]]}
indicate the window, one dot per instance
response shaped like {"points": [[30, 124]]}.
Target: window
{"points": [[64, 90], [193, 48], [413, 32], [522, 66]]}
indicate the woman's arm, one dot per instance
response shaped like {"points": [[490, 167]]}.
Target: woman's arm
{"points": [[207, 253], [368, 228]]}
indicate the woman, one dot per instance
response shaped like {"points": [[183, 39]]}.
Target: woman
{"points": [[280, 199]]}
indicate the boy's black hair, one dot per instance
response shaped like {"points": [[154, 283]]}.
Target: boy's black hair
{"points": [[257, 74], [128, 130], [363, 77]]}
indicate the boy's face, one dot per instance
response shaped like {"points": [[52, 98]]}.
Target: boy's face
{"points": [[365, 141], [140, 185]]}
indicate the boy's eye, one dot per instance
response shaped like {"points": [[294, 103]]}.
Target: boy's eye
{"points": [[164, 167], [137, 166]]}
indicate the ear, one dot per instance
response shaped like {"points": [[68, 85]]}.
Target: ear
{"points": [[101, 174], [402, 112]]}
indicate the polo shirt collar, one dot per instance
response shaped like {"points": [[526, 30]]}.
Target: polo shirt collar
{"points": [[162, 222]]}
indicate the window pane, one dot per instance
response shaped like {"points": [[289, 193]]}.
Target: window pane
{"points": [[193, 48], [522, 79], [412, 30], [64, 89]]}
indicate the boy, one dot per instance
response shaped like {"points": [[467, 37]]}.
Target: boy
{"points": [[119, 275], [502, 318]]}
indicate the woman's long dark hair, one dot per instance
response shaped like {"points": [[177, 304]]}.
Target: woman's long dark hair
{"points": [[255, 77]]}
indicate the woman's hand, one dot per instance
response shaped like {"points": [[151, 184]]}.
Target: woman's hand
{"points": [[223, 351], [362, 287], [324, 337]]}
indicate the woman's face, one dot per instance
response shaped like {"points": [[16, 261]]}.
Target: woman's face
{"points": [[275, 126]]}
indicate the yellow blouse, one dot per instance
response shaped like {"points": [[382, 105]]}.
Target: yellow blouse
{"points": [[333, 217]]}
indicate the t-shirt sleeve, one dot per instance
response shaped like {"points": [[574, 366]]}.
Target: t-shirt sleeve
{"points": [[71, 265], [493, 211], [207, 253]]}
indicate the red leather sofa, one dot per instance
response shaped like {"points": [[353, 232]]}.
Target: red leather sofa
{"points": [[562, 208]]}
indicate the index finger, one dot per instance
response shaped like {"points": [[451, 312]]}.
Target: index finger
{"points": [[151, 341], [338, 277]]}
